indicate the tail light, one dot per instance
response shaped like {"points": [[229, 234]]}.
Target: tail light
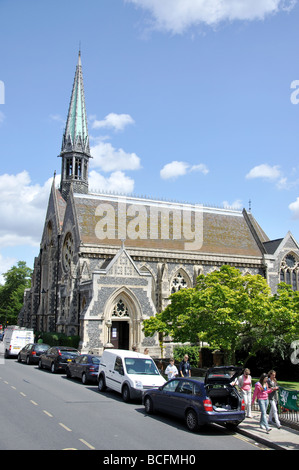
{"points": [[208, 406], [243, 405], [92, 368], [33, 353]]}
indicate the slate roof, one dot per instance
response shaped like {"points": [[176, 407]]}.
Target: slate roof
{"points": [[224, 231]]}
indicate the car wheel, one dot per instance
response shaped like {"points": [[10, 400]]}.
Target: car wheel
{"points": [[148, 405], [28, 360], [19, 358], [191, 420], [101, 384], [126, 393], [68, 373], [84, 379], [40, 364], [53, 368]]}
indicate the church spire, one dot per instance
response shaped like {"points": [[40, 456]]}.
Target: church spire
{"points": [[75, 151]]}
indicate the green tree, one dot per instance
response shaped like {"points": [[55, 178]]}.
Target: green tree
{"points": [[224, 309], [17, 279]]}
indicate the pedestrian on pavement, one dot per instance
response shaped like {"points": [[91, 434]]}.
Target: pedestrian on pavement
{"points": [[171, 370], [244, 383], [185, 367], [273, 399], [261, 392]]}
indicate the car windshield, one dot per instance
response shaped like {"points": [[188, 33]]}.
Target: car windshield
{"points": [[141, 366]]}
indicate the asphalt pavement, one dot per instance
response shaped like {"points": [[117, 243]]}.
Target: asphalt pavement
{"points": [[284, 438]]}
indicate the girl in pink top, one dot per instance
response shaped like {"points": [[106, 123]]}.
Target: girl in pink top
{"points": [[261, 392]]}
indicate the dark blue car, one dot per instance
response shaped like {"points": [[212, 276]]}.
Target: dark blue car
{"points": [[84, 367], [215, 400]]}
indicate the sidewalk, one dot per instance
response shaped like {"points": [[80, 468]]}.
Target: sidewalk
{"points": [[284, 438]]}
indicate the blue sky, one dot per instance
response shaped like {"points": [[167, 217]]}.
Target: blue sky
{"points": [[186, 99]]}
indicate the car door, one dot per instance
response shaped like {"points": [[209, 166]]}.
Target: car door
{"points": [[118, 374], [24, 351], [81, 366], [75, 366], [163, 399], [181, 398], [49, 356]]}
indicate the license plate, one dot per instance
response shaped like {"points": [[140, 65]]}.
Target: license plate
{"points": [[69, 360]]}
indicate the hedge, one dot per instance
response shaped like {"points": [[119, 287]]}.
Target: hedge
{"points": [[58, 339]]}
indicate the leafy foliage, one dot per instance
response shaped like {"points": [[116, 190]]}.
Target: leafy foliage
{"points": [[227, 310], [17, 279]]}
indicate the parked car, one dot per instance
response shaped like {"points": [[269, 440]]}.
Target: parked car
{"points": [[57, 358], [32, 352], [127, 372], [215, 400], [84, 367]]}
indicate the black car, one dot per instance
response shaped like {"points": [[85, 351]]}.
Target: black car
{"points": [[32, 352], [84, 367], [57, 358], [215, 400]]}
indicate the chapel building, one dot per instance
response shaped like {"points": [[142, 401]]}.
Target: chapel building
{"points": [[109, 261]]}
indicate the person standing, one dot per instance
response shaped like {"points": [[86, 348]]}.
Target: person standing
{"points": [[185, 367], [244, 383], [261, 392], [272, 382], [171, 370]]}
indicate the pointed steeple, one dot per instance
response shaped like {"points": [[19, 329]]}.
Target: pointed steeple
{"points": [[75, 151]]}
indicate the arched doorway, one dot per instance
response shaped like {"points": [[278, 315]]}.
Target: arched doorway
{"points": [[122, 317], [120, 325]]}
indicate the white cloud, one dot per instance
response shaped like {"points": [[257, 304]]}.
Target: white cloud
{"points": [[22, 209], [294, 207], [117, 182], [264, 171], [237, 204], [108, 158], [113, 121], [175, 169], [177, 16], [5, 264]]}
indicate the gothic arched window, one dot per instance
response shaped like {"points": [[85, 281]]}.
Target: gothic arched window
{"points": [[179, 282], [289, 271], [120, 309]]}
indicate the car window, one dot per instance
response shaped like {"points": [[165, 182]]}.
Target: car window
{"points": [[197, 390], [41, 347], [185, 387], [171, 386], [141, 366], [84, 360], [118, 367], [96, 360]]}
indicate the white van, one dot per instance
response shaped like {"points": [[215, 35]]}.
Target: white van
{"points": [[15, 339], [128, 372]]}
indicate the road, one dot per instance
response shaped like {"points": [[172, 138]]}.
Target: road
{"points": [[44, 411]]}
